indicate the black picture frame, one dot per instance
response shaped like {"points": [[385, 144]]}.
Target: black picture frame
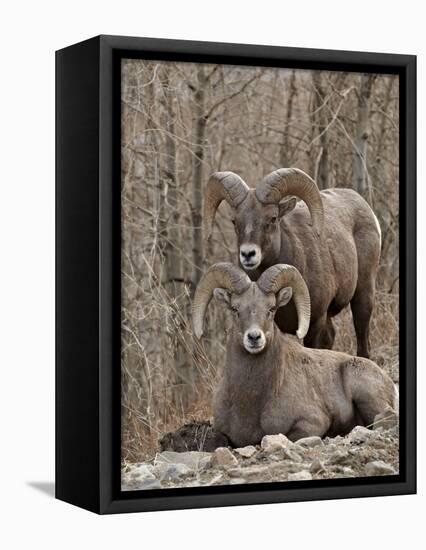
{"points": [[88, 273]]}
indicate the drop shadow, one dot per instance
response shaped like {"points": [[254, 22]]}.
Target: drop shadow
{"points": [[46, 487]]}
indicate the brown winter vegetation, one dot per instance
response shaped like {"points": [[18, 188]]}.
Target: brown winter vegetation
{"points": [[180, 123]]}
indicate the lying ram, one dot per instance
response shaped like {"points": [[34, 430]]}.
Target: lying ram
{"points": [[271, 383], [338, 255]]}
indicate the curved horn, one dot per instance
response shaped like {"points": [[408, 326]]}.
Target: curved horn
{"points": [[222, 186], [221, 275], [277, 277], [292, 181]]}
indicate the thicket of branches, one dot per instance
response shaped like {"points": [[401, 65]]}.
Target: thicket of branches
{"points": [[181, 122]]}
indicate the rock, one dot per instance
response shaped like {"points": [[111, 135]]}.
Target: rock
{"points": [[310, 442], [379, 468], [167, 471], [386, 420], [290, 454], [300, 476], [360, 453], [216, 480], [376, 442], [272, 443], [392, 432], [224, 458], [293, 467], [141, 484], [360, 434], [317, 467], [250, 471], [354, 451], [247, 451], [191, 458], [141, 471], [205, 463], [275, 458], [237, 481], [150, 484], [339, 457]]}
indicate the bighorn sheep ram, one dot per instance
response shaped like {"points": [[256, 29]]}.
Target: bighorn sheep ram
{"points": [[338, 255], [271, 383]]}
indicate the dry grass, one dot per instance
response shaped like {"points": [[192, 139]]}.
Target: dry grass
{"points": [[156, 395], [384, 333]]}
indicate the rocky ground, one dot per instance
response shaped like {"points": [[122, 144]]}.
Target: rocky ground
{"points": [[362, 453]]}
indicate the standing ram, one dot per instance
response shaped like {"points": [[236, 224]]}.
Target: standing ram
{"points": [[337, 255]]}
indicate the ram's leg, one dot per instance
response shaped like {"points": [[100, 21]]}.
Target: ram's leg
{"points": [[313, 337], [329, 333], [362, 308], [367, 241], [221, 411], [321, 334], [369, 404], [309, 427], [370, 389]]}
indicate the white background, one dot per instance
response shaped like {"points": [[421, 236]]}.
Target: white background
{"points": [[30, 32]]}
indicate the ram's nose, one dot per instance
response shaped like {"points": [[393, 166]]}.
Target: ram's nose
{"points": [[254, 340], [250, 256], [247, 254], [254, 337]]}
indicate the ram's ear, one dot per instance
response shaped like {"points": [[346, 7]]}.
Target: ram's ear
{"points": [[222, 295], [284, 296], [286, 206]]}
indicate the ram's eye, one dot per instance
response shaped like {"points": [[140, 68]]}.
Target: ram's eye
{"points": [[270, 224], [271, 311], [233, 222], [234, 310]]}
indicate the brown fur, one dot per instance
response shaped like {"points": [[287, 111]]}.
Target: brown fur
{"points": [[296, 391], [339, 267], [283, 387]]}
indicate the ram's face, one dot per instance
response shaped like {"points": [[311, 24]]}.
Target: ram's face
{"points": [[257, 229], [253, 313]]}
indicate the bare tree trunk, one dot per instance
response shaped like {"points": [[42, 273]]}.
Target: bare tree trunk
{"points": [[321, 174], [197, 174], [382, 208], [174, 281], [385, 106], [170, 196], [285, 157], [360, 173]]}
